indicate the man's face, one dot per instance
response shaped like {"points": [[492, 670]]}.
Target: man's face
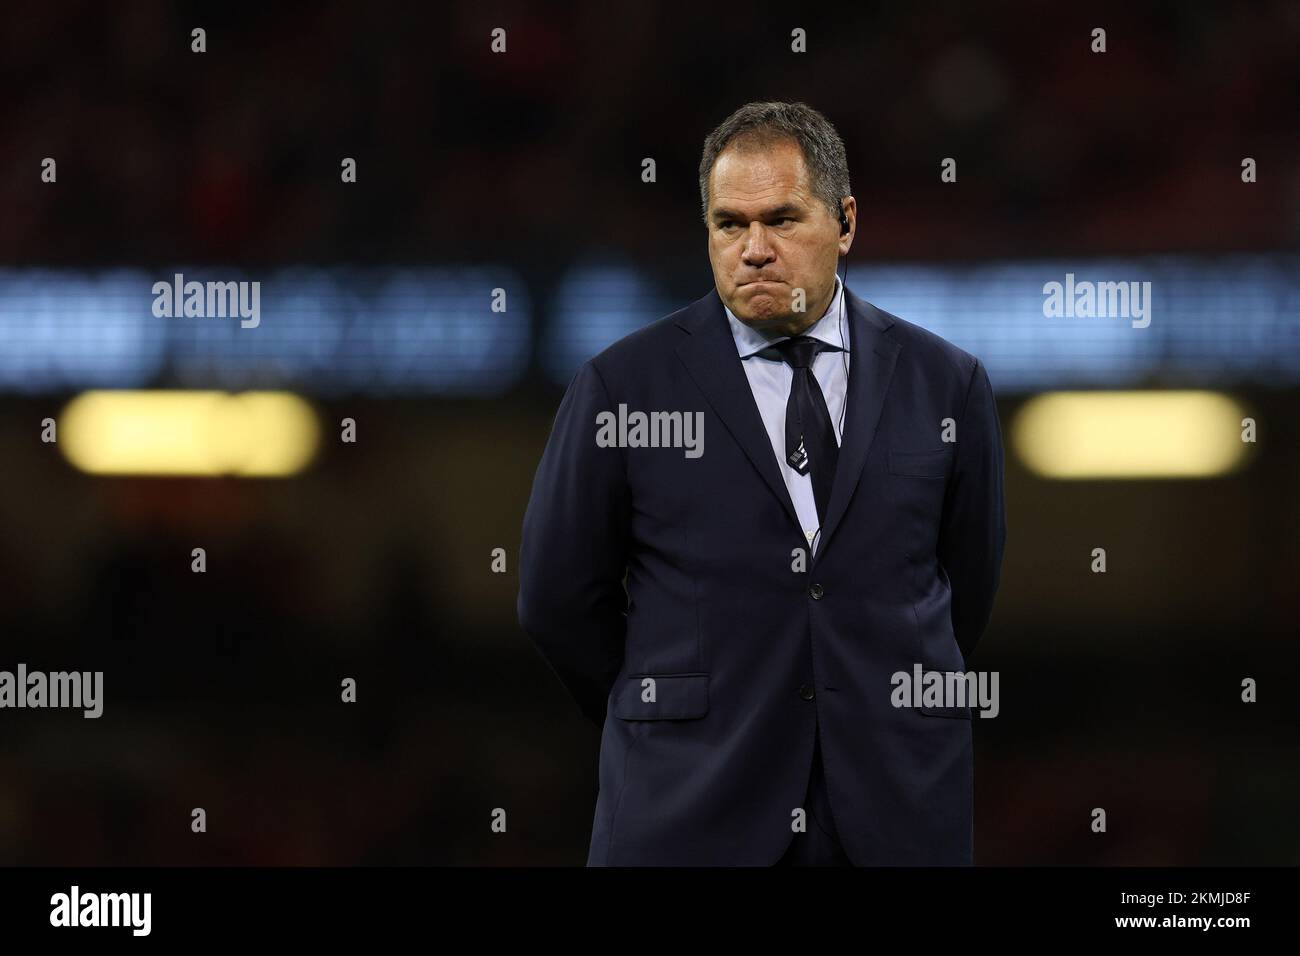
{"points": [[769, 235]]}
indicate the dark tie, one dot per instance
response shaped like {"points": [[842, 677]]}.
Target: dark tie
{"points": [[810, 445]]}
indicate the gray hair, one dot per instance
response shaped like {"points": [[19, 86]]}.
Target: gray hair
{"points": [[757, 124]]}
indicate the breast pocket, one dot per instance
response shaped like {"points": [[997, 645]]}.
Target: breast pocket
{"points": [[921, 464]]}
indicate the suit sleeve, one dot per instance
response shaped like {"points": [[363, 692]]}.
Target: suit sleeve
{"points": [[973, 532], [573, 550]]}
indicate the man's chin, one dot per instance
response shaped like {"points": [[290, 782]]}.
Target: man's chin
{"points": [[763, 318], [762, 308]]}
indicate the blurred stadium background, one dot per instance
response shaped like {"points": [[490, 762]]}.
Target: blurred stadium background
{"points": [[522, 171]]}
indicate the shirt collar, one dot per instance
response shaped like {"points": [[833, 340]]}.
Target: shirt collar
{"points": [[828, 328]]}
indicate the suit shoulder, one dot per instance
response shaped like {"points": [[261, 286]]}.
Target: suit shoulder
{"points": [[930, 348], [644, 345]]}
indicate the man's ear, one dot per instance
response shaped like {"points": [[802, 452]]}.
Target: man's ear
{"points": [[850, 207]]}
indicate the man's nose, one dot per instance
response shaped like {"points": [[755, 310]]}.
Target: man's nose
{"points": [[757, 249]]}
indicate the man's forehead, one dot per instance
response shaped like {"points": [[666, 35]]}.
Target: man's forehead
{"points": [[752, 164], [770, 175]]}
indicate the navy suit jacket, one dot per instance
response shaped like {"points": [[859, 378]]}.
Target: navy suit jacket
{"points": [[641, 562]]}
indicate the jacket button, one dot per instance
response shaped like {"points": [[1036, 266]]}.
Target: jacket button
{"points": [[806, 691], [816, 592]]}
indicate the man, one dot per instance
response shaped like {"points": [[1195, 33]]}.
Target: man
{"points": [[732, 614]]}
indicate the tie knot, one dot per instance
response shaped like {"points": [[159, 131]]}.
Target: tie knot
{"points": [[800, 351]]}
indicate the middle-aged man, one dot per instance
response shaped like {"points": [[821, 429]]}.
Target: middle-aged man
{"points": [[749, 516]]}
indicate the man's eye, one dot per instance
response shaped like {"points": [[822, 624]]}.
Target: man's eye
{"points": [[784, 220]]}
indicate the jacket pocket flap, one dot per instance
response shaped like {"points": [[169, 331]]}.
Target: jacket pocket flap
{"points": [[663, 697], [920, 464], [959, 712]]}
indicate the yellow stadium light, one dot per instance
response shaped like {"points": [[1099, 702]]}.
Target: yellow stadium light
{"points": [[251, 434], [1173, 434]]}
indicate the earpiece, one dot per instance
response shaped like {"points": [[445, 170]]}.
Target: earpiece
{"points": [[844, 219]]}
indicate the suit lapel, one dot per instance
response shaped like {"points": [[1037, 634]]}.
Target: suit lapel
{"points": [[710, 357], [873, 356]]}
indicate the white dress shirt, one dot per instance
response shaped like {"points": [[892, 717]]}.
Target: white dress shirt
{"points": [[770, 381]]}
